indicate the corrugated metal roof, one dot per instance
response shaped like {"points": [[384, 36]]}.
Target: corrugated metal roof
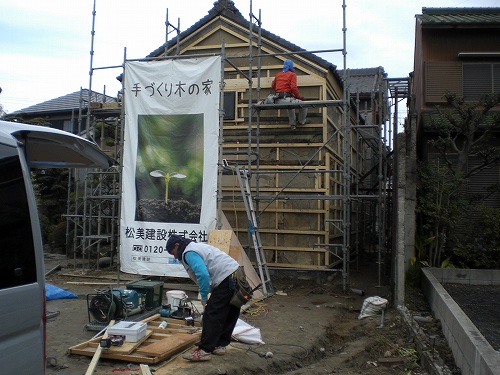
{"points": [[66, 103], [459, 16]]}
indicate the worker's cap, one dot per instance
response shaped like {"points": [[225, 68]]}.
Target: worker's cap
{"points": [[172, 240], [288, 65]]}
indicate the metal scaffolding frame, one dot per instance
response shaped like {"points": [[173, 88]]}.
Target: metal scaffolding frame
{"points": [[98, 223], [371, 135]]}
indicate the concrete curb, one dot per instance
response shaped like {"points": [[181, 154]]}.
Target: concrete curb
{"points": [[429, 359], [472, 352]]}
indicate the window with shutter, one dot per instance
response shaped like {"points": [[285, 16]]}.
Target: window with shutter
{"points": [[496, 78], [442, 77], [477, 80]]}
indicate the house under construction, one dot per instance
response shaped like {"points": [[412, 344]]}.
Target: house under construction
{"points": [[321, 193]]}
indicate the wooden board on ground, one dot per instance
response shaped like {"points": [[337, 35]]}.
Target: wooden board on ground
{"points": [[147, 350], [97, 353], [129, 347], [168, 345]]}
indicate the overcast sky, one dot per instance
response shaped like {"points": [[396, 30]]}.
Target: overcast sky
{"points": [[45, 44]]}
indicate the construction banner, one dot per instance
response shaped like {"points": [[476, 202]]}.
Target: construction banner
{"points": [[170, 155]]}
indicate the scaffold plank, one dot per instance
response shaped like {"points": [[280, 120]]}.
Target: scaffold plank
{"points": [[302, 104]]}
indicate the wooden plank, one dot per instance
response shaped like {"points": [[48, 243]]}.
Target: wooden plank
{"points": [[169, 345], [145, 369], [172, 330], [151, 318], [180, 286], [86, 350], [129, 347], [97, 353], [175, 324], [221, 239], [252, 276]]}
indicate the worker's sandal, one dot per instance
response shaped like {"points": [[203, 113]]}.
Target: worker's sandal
{"points": [[219, 350], [197, 356]]}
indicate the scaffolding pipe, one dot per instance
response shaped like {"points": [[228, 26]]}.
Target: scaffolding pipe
{"points": [[221, 139], [346, 142]]}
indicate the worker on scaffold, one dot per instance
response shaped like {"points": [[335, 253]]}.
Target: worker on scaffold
{"points": [[285, 86]]}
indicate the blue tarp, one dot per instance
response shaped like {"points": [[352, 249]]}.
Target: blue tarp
{"points": [[53, 292]]}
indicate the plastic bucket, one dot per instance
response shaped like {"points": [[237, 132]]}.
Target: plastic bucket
{"points": [[174, 298]]}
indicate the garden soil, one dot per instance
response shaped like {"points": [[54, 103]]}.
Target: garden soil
{"points": [[311, 326]]}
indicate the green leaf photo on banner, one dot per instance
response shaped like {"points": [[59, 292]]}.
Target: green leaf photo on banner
{"points": [[169, 168]]}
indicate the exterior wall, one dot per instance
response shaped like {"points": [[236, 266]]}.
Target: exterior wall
{"points": [[443, 69], [438, 69], [54, 120], [417, 84], [294, 231], [444, 44]]}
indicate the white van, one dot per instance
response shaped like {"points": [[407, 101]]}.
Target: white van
{"points": [[22, 274]]}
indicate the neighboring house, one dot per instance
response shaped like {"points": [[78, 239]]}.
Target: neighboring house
{"points": [[298, 173], [456, 50], [368, 88], [65, 113]]}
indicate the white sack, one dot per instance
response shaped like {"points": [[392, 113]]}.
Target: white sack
{"points": [[246, 333], [372, 306]]}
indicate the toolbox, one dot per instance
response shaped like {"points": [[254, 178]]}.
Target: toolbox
{"points": [[132, 331], [152, 290]]}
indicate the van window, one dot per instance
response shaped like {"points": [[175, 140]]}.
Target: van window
{"points": [[17, 253]]}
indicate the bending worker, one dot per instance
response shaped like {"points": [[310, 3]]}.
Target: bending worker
{"points": [[213, 270], [285, 85]]}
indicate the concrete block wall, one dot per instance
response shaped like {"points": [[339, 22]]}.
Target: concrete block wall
{"points": [[472, 353]]}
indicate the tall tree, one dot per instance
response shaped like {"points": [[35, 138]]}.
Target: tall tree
{"points": [[464, 130], [460, 131]]}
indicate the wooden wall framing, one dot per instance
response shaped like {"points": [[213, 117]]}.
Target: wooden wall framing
{"points": [[294, 232]]}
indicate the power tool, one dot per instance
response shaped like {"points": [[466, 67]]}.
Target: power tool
{"points": [[114, 304]]}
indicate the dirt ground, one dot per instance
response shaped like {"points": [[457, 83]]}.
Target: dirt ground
{"points": [[310, 327]]}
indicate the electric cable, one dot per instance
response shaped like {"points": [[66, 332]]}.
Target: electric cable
{"points": [[264, 353]]}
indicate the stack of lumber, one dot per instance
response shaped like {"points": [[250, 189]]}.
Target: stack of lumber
{"points": [[157, 345]]}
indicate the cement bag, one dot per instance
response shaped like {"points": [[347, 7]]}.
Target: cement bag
{"points": [[372, 306], [246, 333]]}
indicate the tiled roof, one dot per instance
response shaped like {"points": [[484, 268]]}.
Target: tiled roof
{"points": [[66, 103], [365, 81], [459, 16], [227, 9]]}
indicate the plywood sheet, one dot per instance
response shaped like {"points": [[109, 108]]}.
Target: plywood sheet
{"points": [[221, 239], [129, 347], [237, 252], [168, 345]]}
